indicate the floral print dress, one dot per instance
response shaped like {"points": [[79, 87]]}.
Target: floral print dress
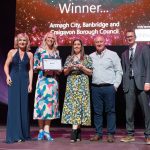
{"points": [[46, 94], [76, 108]]}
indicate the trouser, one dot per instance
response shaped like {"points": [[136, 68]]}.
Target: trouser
{"points": [[103, 98], [130, 107]]}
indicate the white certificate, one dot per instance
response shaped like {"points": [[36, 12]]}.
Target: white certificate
{"points": [[52, 64]]}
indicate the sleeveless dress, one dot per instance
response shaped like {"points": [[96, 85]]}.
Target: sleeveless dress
{"points": [[18, 117], [46, 93]]}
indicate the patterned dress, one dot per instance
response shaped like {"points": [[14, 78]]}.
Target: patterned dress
{"points": [[76, 109], [46, 94]]}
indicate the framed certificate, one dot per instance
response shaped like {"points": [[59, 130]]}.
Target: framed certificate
{"points": [[52, 64]]}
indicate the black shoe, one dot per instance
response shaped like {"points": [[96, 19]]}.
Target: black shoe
{"points": [[78, 134], [73, 136]]}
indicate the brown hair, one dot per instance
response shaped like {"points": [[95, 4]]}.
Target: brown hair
{"points": [[131, 30], [82, 49]]}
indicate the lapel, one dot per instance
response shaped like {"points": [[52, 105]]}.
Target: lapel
{"points": [[127, 57], [137, 51]]}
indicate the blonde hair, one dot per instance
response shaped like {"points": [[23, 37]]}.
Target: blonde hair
{"points": [[15, 42], [16, 39], [44, 45]]}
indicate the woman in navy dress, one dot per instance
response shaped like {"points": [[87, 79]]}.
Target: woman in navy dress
{"points": [[19, 73]]}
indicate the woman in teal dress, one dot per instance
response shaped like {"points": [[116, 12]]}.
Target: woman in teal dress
{"points": [[76, 108], [46, 94], [19, 73]]}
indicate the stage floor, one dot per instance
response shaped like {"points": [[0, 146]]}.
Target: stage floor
{"points": [[62, 141]]}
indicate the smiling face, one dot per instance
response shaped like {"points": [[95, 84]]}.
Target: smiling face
{"points": [[99, 43], [22, 42], [77, 46], [130, 37], [50, 40]]}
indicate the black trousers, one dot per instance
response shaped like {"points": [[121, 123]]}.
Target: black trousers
{"points": [[143, 98]]}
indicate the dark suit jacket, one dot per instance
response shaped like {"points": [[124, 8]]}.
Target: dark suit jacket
{"points": [[141, 67]]}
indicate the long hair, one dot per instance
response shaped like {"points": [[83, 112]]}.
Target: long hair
{"points": [[82, 49], [16, 40], [44, 45]]}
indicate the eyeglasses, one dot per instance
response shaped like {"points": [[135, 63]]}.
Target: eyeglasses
{"points": [[129, 37]]}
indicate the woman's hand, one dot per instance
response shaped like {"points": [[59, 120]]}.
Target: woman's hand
{"points": [[68, 69], [80, 66], [9, 81], [70, 66], [29, 88], [39, 67]]}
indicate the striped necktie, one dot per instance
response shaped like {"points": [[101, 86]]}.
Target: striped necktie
{"points": [[131, 61], [131, 54]]}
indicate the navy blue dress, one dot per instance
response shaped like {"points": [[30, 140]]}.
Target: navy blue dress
{"points": [[18, 117]]}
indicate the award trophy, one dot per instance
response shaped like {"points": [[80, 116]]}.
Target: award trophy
{"points": [[74, 62]]}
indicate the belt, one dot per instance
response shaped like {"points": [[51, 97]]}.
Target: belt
{"points": [[76, 72], [102, 85], [131, 77]]}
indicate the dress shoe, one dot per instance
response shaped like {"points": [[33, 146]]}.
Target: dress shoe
{"points": [[147, 140], [128, 138], [96, 138], [110, 139]]}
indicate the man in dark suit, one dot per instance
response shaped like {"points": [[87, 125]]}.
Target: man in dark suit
{"points": [[136, 84]]}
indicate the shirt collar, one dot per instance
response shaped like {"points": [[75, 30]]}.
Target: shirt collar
{"points": [[134, 46], [101, 52]]}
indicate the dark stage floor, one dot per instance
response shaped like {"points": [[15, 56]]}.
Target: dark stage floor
{"points": [[62, 141]]}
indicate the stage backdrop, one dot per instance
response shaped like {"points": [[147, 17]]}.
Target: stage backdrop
{"points": [[83, 19]]}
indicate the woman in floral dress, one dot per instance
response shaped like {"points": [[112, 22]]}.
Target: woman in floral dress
{"points": [[46, 94], [76, 108]]}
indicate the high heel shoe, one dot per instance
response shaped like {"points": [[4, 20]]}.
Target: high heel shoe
{"points": [[41, 136], [48, 136]]}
